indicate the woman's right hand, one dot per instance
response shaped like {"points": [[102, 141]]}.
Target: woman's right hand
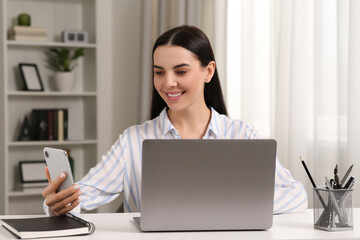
{"points": [[62, 202]]}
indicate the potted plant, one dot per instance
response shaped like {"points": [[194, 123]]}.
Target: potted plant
{"points": [[63, 61]]}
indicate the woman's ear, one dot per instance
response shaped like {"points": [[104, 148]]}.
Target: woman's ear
{"points": [[210, 70]]}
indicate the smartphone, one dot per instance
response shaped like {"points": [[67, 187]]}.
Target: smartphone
{"points": [[57, 162]]}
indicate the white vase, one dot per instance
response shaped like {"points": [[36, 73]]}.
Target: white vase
{"points": [[64, 81]]}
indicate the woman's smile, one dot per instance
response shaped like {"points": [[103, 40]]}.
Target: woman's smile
{"points": [[174, 96]]}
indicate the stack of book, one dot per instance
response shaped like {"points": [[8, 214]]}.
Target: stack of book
{"points": [[27, 33], [49, 124]]}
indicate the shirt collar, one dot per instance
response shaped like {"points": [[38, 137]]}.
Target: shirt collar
{"points": [[166, 125], [213, 125]]}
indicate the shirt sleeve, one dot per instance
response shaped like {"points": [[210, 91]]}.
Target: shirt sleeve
{"points": [[96, 187], [75, 211], [47, 210], [104, 182], [290, 195]]}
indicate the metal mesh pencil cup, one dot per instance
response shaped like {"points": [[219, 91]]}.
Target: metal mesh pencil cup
{"points": [[333, 209]]}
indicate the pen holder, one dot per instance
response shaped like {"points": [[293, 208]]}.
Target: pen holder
{"points": [[333, 209]]}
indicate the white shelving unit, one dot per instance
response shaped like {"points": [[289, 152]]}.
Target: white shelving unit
{"points": [[82, 102]]}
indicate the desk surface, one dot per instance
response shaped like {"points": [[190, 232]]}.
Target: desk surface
{"points": [[287, 226]]}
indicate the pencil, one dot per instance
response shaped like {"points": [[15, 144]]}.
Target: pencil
{"points": [[313, 183], [307, 172]]}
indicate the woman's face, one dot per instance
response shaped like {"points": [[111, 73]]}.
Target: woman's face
{"points": [[179, 77]]}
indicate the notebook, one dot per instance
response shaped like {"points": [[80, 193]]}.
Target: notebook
{"points": [[67, 225], [191, 185]]}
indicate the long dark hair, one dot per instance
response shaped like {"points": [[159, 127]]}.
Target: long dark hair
{"points": [[196, 41]]}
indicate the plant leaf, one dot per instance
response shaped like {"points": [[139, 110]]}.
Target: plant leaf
{"points": [[62, 59], [78, 53]]}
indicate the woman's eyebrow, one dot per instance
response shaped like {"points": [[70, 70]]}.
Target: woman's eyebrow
{"points": [[182, 65], [155, 66], [176, 66]]}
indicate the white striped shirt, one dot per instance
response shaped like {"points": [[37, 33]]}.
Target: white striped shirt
{"points": [[120, 169]]}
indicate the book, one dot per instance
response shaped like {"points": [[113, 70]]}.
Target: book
{"points": [[61, 125], [66, 124], [26, 33], [35, 124], [49, 124], [57, 226], [27, 29], [42, 124], [12, 34], [56, 124], [29, 38]]}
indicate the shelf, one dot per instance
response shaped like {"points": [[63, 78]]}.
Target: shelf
{"points": [[50, 44], [50, 94], [50, 143], [82, 102], [26, 192]]}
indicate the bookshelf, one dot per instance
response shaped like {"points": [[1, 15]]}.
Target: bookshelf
{"points": [[81, 102]]}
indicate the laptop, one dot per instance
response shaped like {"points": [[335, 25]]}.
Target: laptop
{"points": [[195, 185]]}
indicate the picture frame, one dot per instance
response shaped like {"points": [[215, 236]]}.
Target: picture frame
{"points": [[31, 77], [32, 173]]}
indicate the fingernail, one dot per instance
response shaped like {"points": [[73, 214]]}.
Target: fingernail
{"points": [[78, 201], [62, 175], [76, 187]]}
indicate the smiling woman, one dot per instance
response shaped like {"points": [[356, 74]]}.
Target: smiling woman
{"points": [[188, 44], [181, 86], [180, 79], [187, 103]]}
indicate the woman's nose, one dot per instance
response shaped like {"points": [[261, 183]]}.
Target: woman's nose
{"points": [[170, 81]]}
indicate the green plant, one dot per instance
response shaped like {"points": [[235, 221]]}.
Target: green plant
{"points": [[63, 60]]}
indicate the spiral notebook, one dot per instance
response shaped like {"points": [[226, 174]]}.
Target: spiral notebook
{"points": [[67, 225]]}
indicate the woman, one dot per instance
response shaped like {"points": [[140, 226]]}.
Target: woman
{"points": [[187, 103]]}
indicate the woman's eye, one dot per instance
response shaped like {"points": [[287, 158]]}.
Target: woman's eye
{"points": [[181, 72], [159, 73]]}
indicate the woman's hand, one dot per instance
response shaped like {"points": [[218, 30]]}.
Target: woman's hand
{"points": [[61, 202]]}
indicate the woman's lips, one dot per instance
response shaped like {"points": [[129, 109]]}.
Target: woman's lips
{"points": [[174, 96]]}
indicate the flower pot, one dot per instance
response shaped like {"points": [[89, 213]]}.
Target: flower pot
{"points": [[64, 81]]}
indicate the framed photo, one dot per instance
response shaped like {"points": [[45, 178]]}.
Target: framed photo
{"points": [[31, 77], [32, 173]]}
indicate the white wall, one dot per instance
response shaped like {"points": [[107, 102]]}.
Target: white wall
{"points": [[126, 60], [118, 38]]}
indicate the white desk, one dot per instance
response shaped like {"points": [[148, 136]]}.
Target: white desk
{"points": [[288, 226]]}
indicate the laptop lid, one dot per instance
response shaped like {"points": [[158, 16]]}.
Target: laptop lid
{"points": [[207, 184]]}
